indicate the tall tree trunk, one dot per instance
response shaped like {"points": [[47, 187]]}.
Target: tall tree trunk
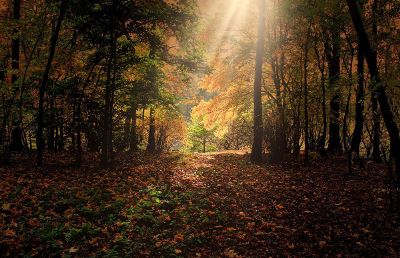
{"points": [[133, 143], [107, 128], [107, 145], [50, 123], [113, 88], [334, 75], [306, 125], [81, 94], [60, 145], [16, 139], [376, 128], [376, 118], [358, 128], [45, 79], [15, 43], [256, 152], [2, 84], [385, 107], [127, 128], [321, 67], [105, 155], [78, 157], [151, 143], [28, 63]]}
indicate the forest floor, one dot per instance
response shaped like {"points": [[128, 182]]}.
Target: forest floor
{"points": [[181, 205]]}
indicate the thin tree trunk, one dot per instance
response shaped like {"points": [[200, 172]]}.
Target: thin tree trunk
{"points": [[113, 88], [358, 128], [376, 118], [50, 124], [306, 125], [107, 145], [79, 151], [376, 128], [127, 128], [60, 145], [133, 143], [78, 157], [21, 95], [16, 140], [256, 152], [385, 107], [151, 144], [334, 75], [45, 79], [15, 43], [321, 67]]}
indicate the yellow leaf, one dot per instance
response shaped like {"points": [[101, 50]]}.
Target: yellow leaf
{"points": [[73, 250], [178, 251], [6, 206]]}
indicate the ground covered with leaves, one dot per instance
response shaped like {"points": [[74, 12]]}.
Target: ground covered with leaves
{"points": [[176, 205]]}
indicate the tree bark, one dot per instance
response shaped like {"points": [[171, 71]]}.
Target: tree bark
{"points": [[256, 152], [127, 128], [306, 125], [133, 143], [334, 144], [358, 128], [107, 145], [376, 129], [151, 144], [45, 79], [321, 67], [376, 118], [385, 107], [16, 139]]}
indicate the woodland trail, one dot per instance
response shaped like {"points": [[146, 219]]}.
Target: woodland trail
{"points": [[195, 205]]}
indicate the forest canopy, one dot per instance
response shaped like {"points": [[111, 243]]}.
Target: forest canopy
{"points": [[110, 76]]}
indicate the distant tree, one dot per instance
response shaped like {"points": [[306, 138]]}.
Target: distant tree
{"points": [[200, 137]]}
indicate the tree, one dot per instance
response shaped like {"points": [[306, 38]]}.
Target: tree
{"points": [[380, 90], [200, 137], [334, 84], [42, 89], [257, 150]]}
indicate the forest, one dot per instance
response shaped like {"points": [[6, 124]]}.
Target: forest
{"points": [[199, 128]]}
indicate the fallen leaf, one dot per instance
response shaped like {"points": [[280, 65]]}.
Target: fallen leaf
{"points": [[179, 237], [6, 206], [10, 233], [73, 250]]}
